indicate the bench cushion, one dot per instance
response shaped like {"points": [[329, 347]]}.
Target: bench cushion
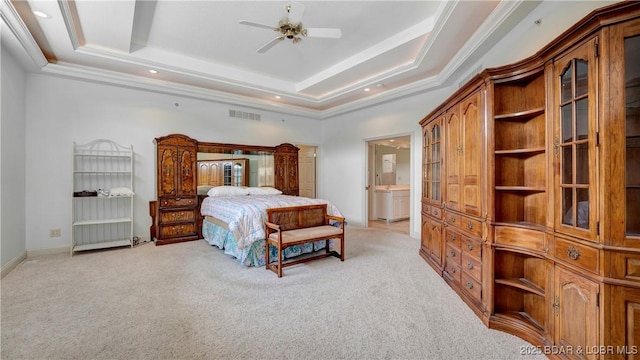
{"points": [[316, 232]]}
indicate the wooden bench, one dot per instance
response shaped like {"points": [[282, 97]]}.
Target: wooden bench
{"points": [[297, 225]]}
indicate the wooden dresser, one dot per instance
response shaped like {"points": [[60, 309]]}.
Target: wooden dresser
{"points": [[531, 191]]}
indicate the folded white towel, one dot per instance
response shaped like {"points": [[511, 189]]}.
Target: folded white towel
{"points": [[121, 191]]}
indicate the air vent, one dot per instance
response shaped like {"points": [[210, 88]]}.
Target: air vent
{"points": [[244, 115]]}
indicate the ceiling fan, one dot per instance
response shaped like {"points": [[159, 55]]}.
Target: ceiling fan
{"points": [[290, 27]]}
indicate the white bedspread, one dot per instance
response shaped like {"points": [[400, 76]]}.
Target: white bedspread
{"points": [[245, 215]]}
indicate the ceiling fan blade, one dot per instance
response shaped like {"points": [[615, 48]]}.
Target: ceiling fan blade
{"points": [[296, 10], [324, 33], [270, 44], [250, 23]]}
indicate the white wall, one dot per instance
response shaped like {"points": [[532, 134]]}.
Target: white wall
{"points": [[61, 111], [12, 160]]}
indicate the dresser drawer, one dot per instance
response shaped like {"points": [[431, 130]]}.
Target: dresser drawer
{"points": [[576, 254], [471, 246], [452, 237], [453, 254], [178, 202], [180, 215], [426, 209], [471, 286], [472, 266], [453, 269], [177, 230]]}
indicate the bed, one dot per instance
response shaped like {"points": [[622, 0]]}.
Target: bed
{"points": [[234, 222]]}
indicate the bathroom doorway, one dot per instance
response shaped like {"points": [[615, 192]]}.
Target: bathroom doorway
{"points": [[388, 184]]}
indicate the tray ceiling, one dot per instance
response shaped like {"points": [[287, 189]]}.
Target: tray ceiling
{"points": [[199, 49]]}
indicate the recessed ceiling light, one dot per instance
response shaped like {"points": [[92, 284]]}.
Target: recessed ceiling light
{"points": [[367, 89], [40, 14], [379, 85], [277, 96], [153, 71]]}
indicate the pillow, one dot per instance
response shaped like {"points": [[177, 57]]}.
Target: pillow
{"points": [[204, 189], [227, 191], [264, 190]]}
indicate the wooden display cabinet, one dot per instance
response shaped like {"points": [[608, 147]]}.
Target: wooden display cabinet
{"points": [[558, 178]]}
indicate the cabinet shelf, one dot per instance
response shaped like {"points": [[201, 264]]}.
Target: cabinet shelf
{"points": [[520, 317], [521, 224], [521, 115], [521, 188], [521, 152], [523, 284]]}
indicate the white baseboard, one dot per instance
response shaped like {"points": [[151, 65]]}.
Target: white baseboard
{"points": [[12, 264], [49, 251]]}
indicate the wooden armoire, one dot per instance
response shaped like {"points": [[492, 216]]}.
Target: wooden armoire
{"points": [[177, 203], [285, 160], [531, 191]]}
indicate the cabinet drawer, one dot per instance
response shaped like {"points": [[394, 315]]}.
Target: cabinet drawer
{"points": [[173, 216], [436, 212], [167, 231], [576, 254], [625, 266], [471, 225], [453, 269], [471, 246], [452, 219], [471, 286], [471, 266], [453, 254], [452, 237], [426, 209], [178, 202], [531, 239]]}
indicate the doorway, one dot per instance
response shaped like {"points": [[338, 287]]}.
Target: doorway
{"points": [[307, 170], [388, 184]]}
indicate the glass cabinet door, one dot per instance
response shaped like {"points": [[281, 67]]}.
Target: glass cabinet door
{"points": [[621, 192], [432, 163], [574, 141]]}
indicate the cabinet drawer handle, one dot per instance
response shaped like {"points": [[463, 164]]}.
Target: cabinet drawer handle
{"points": [[573, 253], [435, 212], [452, 237], [469, 285], [470, 246], [470, 225], [453, 253], [453, 270], [453, 219], [469, 266], [178, 199]]}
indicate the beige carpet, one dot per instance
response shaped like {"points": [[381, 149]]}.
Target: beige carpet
{"points": [[190, 301]]}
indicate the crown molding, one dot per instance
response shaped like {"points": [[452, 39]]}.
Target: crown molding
{"points": [[10, 17]]}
